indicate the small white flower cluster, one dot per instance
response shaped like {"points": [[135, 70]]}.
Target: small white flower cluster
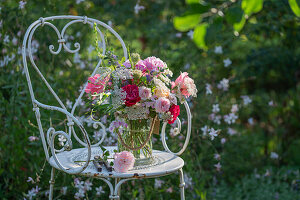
{"points": [[7, 59], [159, 83], [215, 118], [211, 132], [234, 108], [224, 84], [158, 183], [231, 131], [137, 112], [110, 141], [274, 156], [79, 1], [69, 104], [33, 138], [99, 191], [230, 118], [208, 88], [22, 4], [61, 140], [122, 73], [63, 190], [82, 187], [168, 72], [34, 46], [218, 50], [119, 96], [227, 62], [190, 34], [77, 60], [138, 8], [246, 99], [88, 120], [90, 49], [164, 78], [188, 181], [218, 166], [6, 39], [30, 180], [174, 131], [251, 121], [32, 193], [98, 134], [217, 156], [216, 108]]}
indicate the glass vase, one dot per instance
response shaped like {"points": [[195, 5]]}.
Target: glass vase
{"points": [[135, 136]]}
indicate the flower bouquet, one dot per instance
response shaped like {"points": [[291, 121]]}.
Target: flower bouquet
{"points": [[137, 94]]}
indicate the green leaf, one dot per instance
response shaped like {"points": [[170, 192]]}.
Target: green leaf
{"points": [[185, 23], [199, 35], [252, 6], [239, 25], [191, 1], [197, 8], [214, 30], [295, 7], [234, 15]]}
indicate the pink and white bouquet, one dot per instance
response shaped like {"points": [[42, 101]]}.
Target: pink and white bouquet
{"points": [[137, 94], [136, 89]]}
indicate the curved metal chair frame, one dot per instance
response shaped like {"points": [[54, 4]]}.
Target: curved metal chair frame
{"points": [[48, 141]]}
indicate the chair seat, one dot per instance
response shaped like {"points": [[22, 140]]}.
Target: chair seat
{"points": [[164, 163]]}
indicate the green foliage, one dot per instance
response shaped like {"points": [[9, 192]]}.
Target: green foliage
{"points": [[295, 7], [187, 22], [262, 186], [252, 6], [199, 35], [237, 14]]}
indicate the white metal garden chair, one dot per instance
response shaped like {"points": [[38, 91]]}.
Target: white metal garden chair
{"points": [[166, 162]]}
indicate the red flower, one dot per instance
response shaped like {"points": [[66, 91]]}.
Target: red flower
{"points": [[132, 95], [175, 111]]}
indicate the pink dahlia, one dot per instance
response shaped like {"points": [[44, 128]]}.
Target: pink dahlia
{"points": [[123, 161], [154, 64]]}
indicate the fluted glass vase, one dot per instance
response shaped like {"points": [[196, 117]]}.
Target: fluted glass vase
{"points": [[137, 134]]}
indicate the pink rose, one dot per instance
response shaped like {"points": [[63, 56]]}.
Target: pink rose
{"points": [[175, 111], [95, 84], [185, 85], [123, 161], [145, 93], [132, 95], [162, 105], [154, 64]]}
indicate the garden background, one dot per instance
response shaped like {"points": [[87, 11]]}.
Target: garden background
{"points": [[244, 57]]}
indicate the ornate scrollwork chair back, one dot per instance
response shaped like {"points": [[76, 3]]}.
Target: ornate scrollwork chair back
{"points": [[48, 138]]}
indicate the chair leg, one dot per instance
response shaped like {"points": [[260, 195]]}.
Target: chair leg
{"points": [[51, 183], [117, 180], [116, 194], [181, 185]]}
